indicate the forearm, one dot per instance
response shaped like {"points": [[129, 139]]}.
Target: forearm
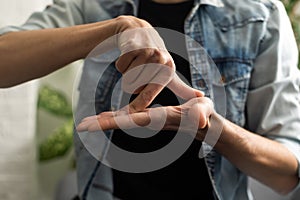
{"points": [[27, 55], [263, 159]]}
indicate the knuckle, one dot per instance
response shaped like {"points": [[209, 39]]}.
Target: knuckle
{"points": [[107, 124], [160, 56], [126, 19], [170, 63], [122, 17], [146, 52], [157, 53]]}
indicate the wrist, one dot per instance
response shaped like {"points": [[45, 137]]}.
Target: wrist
{"points": [[125, 22], [211, 133]]}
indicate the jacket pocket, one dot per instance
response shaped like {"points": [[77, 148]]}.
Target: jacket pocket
{"points": [[238, 15], [235, 78]]}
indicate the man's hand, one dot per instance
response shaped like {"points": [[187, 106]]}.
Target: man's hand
{"points": [[194, 113], [146, 65]]}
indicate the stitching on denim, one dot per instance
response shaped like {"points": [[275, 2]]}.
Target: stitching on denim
{"points": [[88, 185]]}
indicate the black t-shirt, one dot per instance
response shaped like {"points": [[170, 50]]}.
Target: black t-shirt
{"points": [[186, 178]]}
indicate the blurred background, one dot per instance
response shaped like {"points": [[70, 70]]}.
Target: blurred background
{"points": [[36, 152], [36, 149]]}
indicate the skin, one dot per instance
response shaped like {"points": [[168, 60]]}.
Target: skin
{"points": [[32, 48], [266, 160], [263, 159]]}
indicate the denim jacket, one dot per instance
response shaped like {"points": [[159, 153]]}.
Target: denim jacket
{"points": [[252, 44]]}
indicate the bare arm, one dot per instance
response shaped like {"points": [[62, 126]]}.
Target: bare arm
{"points": [[273, 110], [263, 159], [28, 55]]}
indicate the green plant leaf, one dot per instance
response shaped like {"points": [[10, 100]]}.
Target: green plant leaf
{"points": [[294, 17], [54, 101], [58, 143]]}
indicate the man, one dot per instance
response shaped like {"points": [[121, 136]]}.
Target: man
{"points": [[248, 41]]}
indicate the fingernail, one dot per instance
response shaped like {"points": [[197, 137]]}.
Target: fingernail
{"points": [[200, 93], [79, 128]]}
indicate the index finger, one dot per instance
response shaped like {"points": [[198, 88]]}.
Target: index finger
{"points": [[145, 97], [181, 89], [106, 122], [176, 85]]}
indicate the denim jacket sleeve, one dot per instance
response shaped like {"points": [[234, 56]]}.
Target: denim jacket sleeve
{"points": [[61, 13], [273, 105]]}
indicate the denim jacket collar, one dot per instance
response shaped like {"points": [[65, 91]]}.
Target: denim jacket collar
{"points": [[216, 3]]}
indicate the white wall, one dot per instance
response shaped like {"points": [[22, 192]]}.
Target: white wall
{"points": [[17, 120], [50, 173], [21, 176]]}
